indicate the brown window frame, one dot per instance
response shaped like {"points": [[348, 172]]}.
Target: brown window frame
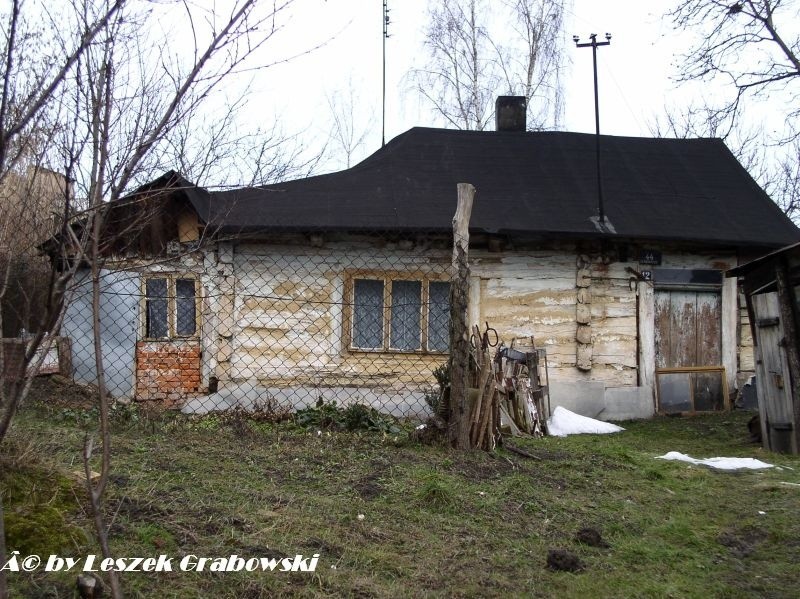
{"points": [[387, 277], [172, 306]]}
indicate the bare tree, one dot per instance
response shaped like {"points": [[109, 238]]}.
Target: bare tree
{"points": [[472, 59], [745, 46], [776, 166], [216, 151], [786, 187], [112, 106], [752, 50], [532, 66], [30, 86], [349, 129]]}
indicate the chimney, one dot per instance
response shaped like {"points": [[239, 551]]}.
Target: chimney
{"points": [[510, 113]]}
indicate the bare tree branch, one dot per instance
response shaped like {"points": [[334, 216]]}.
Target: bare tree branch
{"points": [[472, 59]]}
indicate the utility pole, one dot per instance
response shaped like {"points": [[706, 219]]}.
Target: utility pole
{"points": [[385, 37], [593, 44]]}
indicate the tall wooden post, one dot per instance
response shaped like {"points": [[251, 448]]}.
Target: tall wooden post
{"points": [[786, 303], [459, 328]]}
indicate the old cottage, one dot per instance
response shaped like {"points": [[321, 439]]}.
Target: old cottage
{"points": [[336, 285]]}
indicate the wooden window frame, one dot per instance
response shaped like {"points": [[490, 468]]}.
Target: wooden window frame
{"points": [[172, 306], [693, 370], [387, 277]]}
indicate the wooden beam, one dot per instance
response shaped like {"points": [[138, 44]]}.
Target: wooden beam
{"points": [[730, 319], [459, 328], [647, 342], [786, 303]]}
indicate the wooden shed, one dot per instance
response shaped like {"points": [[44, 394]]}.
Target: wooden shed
{"points": [[771, 287]]}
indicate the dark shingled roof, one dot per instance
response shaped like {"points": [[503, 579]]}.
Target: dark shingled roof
{"points": [[541, 183]]}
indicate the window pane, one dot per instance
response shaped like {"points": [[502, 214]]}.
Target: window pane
{"points": [[156, 326], [368, 314], [439, 316], [185, 306], [406, 304]]}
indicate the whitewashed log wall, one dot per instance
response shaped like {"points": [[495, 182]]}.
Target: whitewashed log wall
{"points": [[286, 316], [289, 319]]}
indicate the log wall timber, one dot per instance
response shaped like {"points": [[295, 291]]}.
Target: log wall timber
{"points": [[583, 313], [745, 349], [277, 313], [290, 324], [532, 293], [538, 294], [614, 324]]}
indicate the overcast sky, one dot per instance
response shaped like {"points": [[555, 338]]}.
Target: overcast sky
{"points": [[636, 72]]}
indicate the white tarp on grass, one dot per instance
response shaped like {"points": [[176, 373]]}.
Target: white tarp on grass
{"points": [[563, 423], [718, 463]]}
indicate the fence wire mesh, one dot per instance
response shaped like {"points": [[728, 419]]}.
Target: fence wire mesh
{"points": [[272, 322]]}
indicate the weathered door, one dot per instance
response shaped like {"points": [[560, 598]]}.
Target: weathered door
{"points": [[772, 374], [688, 333]]}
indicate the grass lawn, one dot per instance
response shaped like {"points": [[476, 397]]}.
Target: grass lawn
{"points": [[436, 522]]}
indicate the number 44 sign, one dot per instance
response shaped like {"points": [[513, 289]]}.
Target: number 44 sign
{"points": [[652, 257]]}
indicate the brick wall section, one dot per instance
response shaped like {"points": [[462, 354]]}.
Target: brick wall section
{"points": [[168, 371]]}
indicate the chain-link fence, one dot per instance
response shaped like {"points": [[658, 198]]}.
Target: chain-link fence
{"points": [[279, 321]]}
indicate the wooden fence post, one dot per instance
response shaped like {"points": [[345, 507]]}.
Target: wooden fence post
{"points": [[459, 328]]}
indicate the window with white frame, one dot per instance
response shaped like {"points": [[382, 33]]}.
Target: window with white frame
{"points": [[170, 307], [399, 314]]}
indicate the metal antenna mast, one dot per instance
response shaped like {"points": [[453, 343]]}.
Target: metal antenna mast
{"points": [[593, 44], [385, 36]]}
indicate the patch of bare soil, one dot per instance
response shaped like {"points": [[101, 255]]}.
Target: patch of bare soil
{"points": [[135, 509], [592, 537], [317, 545], [369, 486], [742, 543], [59, 391], [562, 560]]}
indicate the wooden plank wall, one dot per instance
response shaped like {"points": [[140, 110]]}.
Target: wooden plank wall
{"points": [[288, 318]]}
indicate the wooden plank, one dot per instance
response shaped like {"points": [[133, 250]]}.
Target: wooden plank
{"points": [[775, 406], [729, 330], [683, 328], [663, 310], [646, 324], [709, 334], [789, 347]]}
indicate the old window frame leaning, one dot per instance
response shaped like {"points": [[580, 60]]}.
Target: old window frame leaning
{"points": [[172, 306], [387, 278]]}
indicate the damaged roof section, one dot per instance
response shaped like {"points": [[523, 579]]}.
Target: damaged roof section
{"points": [[541, 183]]}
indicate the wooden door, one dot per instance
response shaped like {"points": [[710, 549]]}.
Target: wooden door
{"points": [[772, 375], [688, 334]]}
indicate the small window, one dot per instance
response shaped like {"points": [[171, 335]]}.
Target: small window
{"points": [[368, 314], [170, 308], [403, 315], [156, 321], [406, 315], [185, 307], [439, 316]]}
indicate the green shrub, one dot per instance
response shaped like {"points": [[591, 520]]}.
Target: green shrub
{"points": [[355, 417]]}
